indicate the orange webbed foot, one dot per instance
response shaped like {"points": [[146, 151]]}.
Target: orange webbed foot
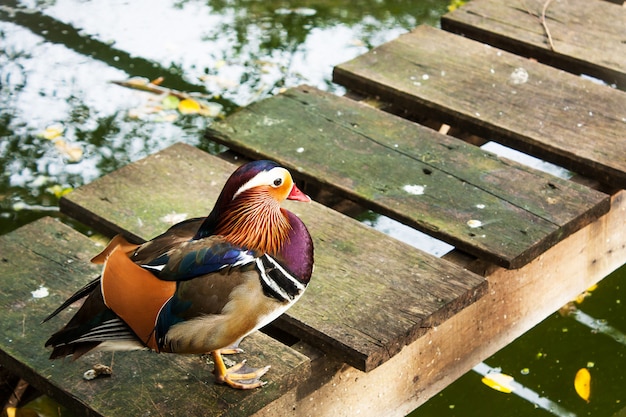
{"points": [[239, 376]]}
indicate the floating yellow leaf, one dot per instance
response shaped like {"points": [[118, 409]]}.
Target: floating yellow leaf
{"points": [[455, 4], [581, 297], [52, 132], [59, 191], [582, 383], [499, 382], [188, 106], [170, 102], [210, 109], [72, 152], [137, 81]]}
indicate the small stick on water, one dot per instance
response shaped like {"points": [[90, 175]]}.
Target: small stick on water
{"points": [[154, 88]]}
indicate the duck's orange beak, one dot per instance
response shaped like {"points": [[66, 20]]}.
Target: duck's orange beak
{"points": [[297, 195]]}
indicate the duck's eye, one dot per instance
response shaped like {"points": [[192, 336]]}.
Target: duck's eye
{"points": [[278, 182]]}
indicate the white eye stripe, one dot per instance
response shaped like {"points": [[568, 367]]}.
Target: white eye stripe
{"points": [[265, 178]]}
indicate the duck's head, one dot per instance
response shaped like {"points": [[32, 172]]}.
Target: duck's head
{"points": [[261, 177], [249, 203]]}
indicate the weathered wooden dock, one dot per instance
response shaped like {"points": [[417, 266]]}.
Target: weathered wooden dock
{"points": [[383, 326]]}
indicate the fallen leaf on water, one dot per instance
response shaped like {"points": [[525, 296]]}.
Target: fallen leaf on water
{"points": [[137, 81], [59, 191], [210, 109], [170, 102], [581, 297], [189, 106], [499, 382], [455, 4], [52, 132], [582, 383], [73, 153]]}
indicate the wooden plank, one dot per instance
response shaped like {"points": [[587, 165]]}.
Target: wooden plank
{"points": [[518, 300], [49, 254], [588, 35], [550, 114], [372, 157], [370, 294]]}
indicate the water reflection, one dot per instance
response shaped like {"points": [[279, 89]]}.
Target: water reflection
{"points": [[57, 58], [44, 84]]}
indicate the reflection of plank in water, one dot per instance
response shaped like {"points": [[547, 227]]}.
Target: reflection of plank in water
{"points": [[55, 31], [526, 393], [598, 325]]}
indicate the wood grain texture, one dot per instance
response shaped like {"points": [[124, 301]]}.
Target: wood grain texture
{"points": [[588, 35], [48, 253], [370, 295], [517, 301], [373, 158], [537, 109]]}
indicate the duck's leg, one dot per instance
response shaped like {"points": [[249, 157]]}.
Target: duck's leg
{"points": [[239, 376], [232, 349]]}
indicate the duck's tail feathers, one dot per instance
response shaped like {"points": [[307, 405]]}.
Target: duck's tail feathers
{"points": [[80, 294]]}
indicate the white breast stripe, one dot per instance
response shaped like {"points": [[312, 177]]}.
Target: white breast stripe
{"points": [[277, 280], [291, 278], [270, 282]]}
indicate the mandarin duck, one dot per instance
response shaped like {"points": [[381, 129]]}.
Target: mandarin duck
{"points": [[204, 284]]}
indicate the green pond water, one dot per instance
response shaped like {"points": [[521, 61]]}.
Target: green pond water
{"points": [[63, 124]]}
